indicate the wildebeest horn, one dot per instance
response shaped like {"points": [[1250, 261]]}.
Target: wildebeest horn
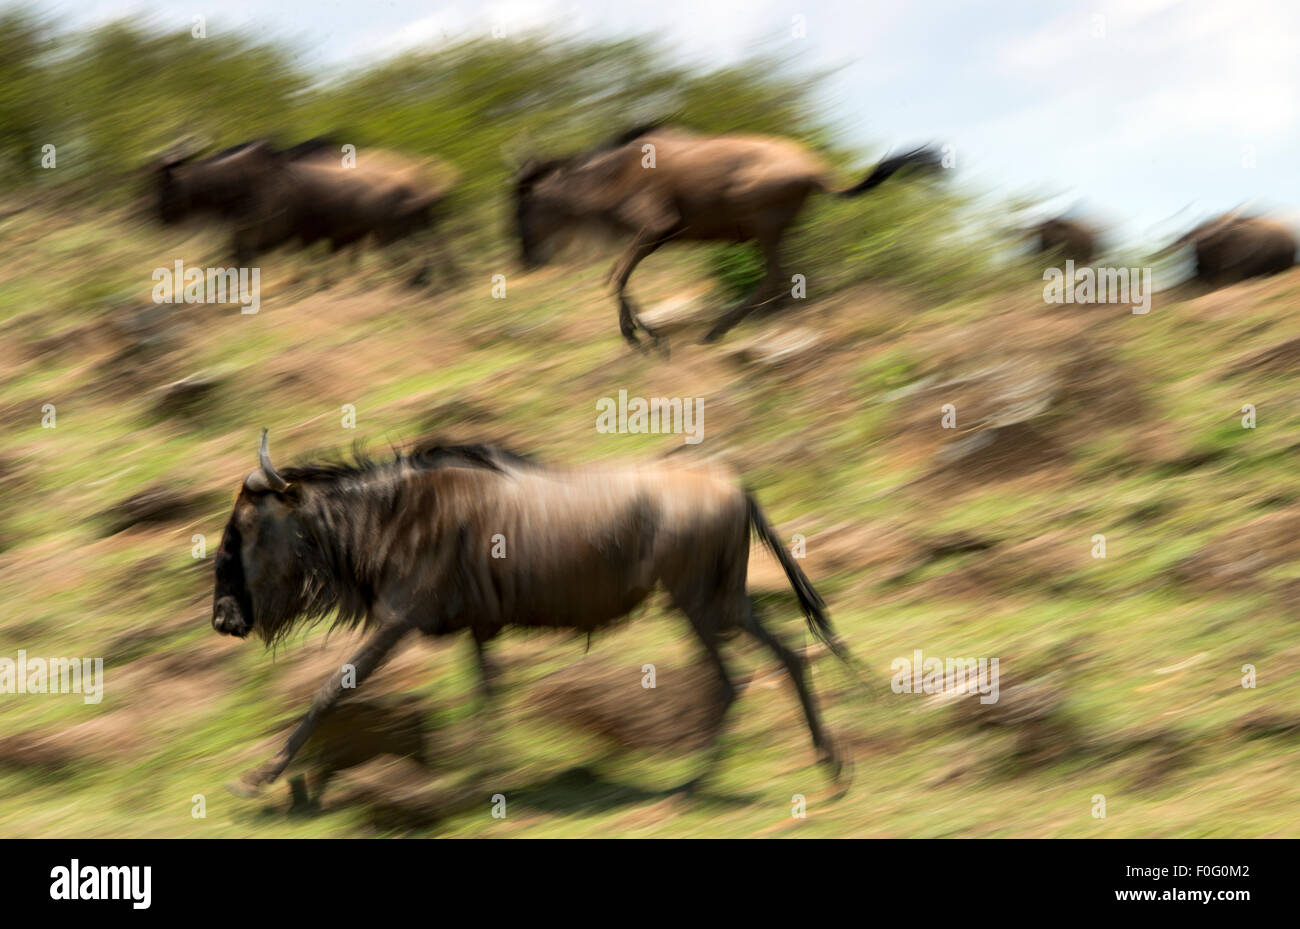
{"points": [[273, 479]]}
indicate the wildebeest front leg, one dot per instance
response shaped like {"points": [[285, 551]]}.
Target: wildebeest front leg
{"points": [[644, 245], [489, 713], [365, 661], [726, 697]]}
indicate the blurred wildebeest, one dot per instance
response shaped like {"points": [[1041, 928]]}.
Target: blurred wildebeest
{"points": [[734, 188], [1232, 248], [409, 545], [1071, 239], [303, 195]]}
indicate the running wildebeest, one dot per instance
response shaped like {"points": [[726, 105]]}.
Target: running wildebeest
{"points": [[303, 195], [1071, 239], [408, 545], [1231, 248], [735, 188]]}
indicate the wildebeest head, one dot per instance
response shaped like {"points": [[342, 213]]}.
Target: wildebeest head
{"points": [[223, 183], [1072, 238], [543, 214], [556, 197], [259, 576]]}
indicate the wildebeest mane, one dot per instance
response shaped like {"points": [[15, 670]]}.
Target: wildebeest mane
{"points": [[628, 135], [234, 149], [311, 147], [292, 153], [535, 172], [342, 550], [427, 455]]}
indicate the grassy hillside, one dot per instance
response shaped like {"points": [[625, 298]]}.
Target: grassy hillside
{"points": [[1121, 675]]}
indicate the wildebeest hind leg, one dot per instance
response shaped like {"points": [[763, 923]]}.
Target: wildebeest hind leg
{"points": [[360, 666], [768, 293], [797, 668]]}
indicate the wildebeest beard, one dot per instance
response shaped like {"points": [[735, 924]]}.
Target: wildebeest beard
{"points": [[344, 538]]}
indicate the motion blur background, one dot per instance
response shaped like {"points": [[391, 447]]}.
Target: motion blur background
{"points": [[1122, 675]]}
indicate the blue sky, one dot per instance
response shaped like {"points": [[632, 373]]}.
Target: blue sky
{"points": [[1147, 114]]}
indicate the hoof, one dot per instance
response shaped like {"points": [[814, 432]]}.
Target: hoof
{"points": [[840, 769], [244, 788], [692, 788]]}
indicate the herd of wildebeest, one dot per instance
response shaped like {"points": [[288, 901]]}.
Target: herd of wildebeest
{"points": [[414, 544]]}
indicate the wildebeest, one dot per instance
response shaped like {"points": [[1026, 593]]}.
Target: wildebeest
{"points": [[303, 195], [451, 538], [735, 188], [1232, 248], [1070, 239]]}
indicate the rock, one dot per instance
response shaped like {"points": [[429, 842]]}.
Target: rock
{"points": [[998, 452], [455, 411], [1266, 725], [1235, 559], [1027, 411], [153, 506], [680, 713], [398, 793], [677, 313], [360, 729], [186, 397], [145, 331], [778, 348], [1280, 358]]}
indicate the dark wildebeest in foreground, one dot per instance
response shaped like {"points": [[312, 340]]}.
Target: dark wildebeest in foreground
{"points": [[1232, 248], [734, 188], [1071, 239], [303, 195], [408, 546]]}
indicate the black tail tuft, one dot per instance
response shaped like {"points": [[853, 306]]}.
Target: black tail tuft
{"points": [[814, 608], [924, 157]]}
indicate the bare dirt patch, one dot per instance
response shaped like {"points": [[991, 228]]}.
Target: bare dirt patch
{"points": [[681, 713]]}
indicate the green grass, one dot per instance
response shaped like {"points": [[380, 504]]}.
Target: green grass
{"points": [[828, 447]]}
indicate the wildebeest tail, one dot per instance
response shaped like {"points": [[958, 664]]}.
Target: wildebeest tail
{"points": [[814, 608], [923, 157]]}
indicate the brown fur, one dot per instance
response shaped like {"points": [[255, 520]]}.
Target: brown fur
{"points": [[1070, 239], [733, 188], [303, 195], [1232, 248], [408, 545]]}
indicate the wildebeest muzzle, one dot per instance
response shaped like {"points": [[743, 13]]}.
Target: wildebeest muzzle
{"points": [[228, 618]]}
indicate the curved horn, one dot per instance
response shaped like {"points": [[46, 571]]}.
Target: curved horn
{"points": [[273, 478]]}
